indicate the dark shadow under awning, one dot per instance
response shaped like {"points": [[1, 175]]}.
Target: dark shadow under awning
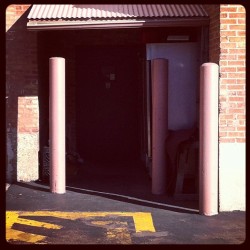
{"points": [[70, 16]]}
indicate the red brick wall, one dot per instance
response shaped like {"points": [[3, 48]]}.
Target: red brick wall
{"points": [[21, 87], [232, 69], [21, 68], [227, 48]]}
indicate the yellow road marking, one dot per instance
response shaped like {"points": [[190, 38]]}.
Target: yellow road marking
{"points": [[13, 217], [143, 223], [142, 220], [12, 234]]}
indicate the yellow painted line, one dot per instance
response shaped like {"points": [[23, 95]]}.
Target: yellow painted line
{"points": [[115, 229], [142, 220], [13, 217], [12, 234]]}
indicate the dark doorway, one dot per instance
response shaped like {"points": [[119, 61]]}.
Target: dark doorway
{"points": [[108, 82]]}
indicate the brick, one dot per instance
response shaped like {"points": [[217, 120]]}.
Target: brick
{"points": [[222, 134], [241, 33], [241, 9], [241, 105], [231, 105], [25, 6], [222, 98], [222, 110], [228, 9], [241, 69], [223, 63], [236, 15], [228, 69], [236, 134], [237, 27], [243, 117], [228, 81], [241, 57], [242, 123], [237, 111], [227, 128], [241, 93], [224, 39], [230, 123], [223, 75], [228, 56], [235, 87], [236, 39], [240, 140], [228, 33], [236, 75], [241, 81], [224, 27], [228, 45], [236, 63], [231, 93], [241, 44], [228, 21], [241, 21], [223, 15], [222, 122]]}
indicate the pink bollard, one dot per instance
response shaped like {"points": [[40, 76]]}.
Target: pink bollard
{"points": [[159, 69], [57, 124], [208, 162]]}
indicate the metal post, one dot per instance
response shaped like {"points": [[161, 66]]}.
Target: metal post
{"points": [[159, 124], [208, 170], [57, 124]]}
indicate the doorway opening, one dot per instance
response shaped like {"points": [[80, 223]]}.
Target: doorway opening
{"points": [[109, 117], [106, 109], [111, 120]]}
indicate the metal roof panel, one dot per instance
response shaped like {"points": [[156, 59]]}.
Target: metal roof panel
{"points": [[127, 11]]}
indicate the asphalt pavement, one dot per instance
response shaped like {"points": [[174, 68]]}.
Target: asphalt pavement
{"points": [[82, 215]]}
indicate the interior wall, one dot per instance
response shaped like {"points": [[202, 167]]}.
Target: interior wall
{"points": [[183, 81]]}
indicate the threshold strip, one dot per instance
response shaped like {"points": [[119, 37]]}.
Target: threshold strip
{"points": [[135, 199]]}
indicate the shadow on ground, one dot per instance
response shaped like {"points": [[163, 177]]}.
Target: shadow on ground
{"points": [[122, 181]]}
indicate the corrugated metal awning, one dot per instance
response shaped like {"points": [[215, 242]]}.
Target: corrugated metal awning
{"points": [[113, 15]]}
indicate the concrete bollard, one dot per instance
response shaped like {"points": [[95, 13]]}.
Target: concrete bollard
{"points": [[159, 69], [57, 124], [208, 159]]}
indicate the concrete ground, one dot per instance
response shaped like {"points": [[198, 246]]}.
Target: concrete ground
{"points": [[112, 209]]}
